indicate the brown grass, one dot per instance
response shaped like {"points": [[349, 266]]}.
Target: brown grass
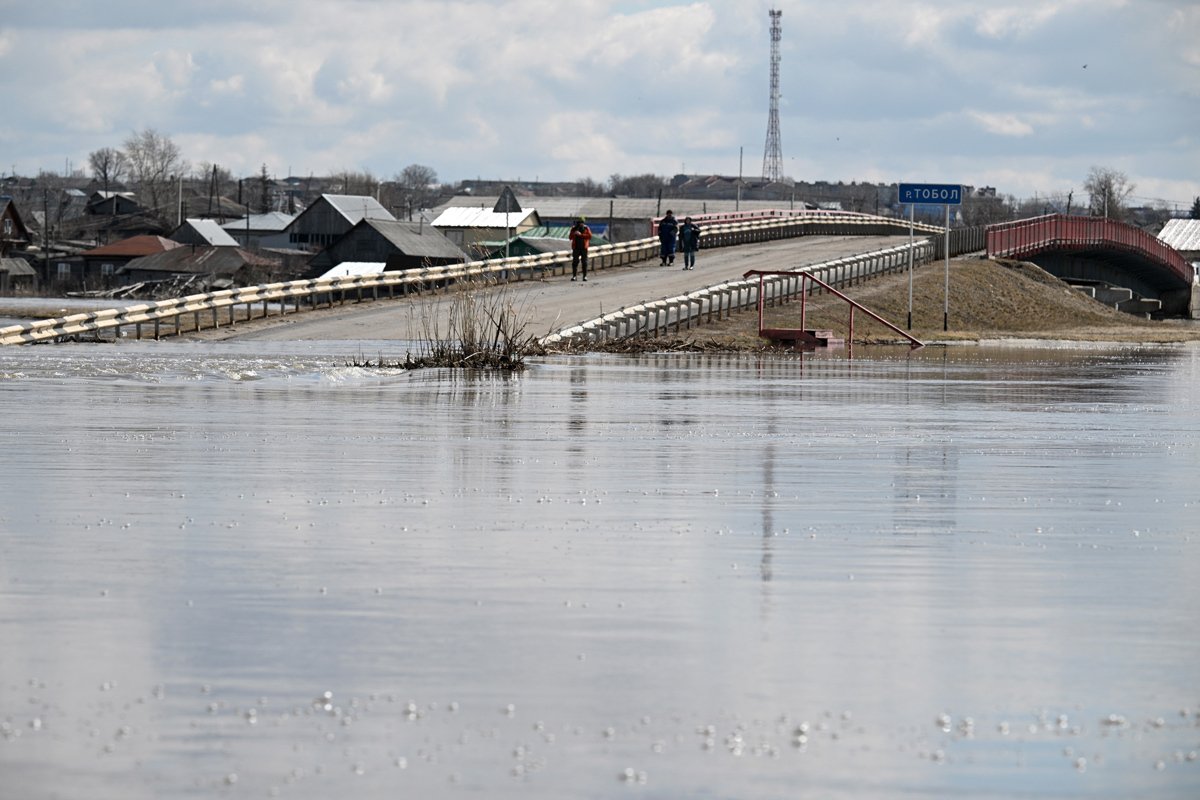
{"points": [[988, 300]]}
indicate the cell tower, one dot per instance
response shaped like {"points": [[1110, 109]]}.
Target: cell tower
{"points": [[773, 152]]}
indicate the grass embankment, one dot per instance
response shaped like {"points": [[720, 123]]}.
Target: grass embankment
{"points": [[989, 300]]}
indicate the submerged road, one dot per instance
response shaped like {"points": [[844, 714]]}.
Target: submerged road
{"points": [[551, 304]]}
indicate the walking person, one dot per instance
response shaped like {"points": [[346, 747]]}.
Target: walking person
{"points": [[581, 237], [668, 229], [689, 242]]}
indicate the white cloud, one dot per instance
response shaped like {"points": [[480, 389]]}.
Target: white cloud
{"points": [[1001, 124], [594, 87]]}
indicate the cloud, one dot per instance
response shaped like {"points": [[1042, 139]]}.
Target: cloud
{"points": [[1001, 124], [871, 88]]}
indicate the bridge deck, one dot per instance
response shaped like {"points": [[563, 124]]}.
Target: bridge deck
{"points": [[557, 302]]}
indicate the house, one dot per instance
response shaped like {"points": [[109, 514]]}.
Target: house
{"points": [[202, 232], [112, 204], [467, 227], [332, 216], [1184, 236], [400, 245], [17, 275], [536, 241], [264, 231], [13, 233], [212, 267], [96, 268]]}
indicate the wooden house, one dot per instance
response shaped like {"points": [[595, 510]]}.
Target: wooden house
{"points": [[401, 245], [13, 233], [331, 217]]}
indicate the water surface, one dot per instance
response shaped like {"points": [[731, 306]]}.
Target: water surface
{"points": [[251, 570]]}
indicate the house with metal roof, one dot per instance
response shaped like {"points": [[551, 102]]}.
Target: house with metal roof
{"points": [[536, 241], [400, 245], [331, 217], [213, 267], [97, 268], [621, 219], [264, 231], [202, 232], [1184, 236], [468, 226]]}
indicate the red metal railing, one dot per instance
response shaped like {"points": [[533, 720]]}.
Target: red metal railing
{"points": [[1028, 237], [854, 305]]}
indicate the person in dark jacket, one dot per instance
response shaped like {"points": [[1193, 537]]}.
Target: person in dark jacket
{"points": [[581, 238], [689, 242], [668, 229]]}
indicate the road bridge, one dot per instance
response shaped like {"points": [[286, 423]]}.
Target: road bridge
{"points": [[1096, 254]]}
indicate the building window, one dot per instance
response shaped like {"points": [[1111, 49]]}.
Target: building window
{"points": [[64, 269], [7, 226], [106, 269]]}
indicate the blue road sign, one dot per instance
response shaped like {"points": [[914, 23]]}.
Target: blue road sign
{"points": [[938, 194]]}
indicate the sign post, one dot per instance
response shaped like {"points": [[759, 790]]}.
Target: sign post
{"points": [[945, 194], [506, 202]]}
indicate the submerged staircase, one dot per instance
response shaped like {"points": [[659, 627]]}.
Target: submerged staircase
{"points": [[802, 339]]}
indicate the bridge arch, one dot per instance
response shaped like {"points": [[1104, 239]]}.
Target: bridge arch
{"points": [[1101, 251]]}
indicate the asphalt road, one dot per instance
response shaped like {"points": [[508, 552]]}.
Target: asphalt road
{"points": [[548, 305]]}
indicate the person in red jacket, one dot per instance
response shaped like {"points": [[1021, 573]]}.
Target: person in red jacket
{"points": [[581, 237]]}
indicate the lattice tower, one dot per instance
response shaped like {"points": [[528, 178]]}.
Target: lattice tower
{"points": [[773, 152]]}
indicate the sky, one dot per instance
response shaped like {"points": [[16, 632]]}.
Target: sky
{"points": [[1022, 95]]}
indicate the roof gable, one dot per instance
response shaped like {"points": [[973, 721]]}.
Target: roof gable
{"points": [[463, 217], [203, 232]]}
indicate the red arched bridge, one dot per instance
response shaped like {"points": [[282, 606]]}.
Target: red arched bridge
{"points": [[1101, 253]]}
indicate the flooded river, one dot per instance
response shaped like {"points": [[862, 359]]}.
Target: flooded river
{"points": [[251, 570]]}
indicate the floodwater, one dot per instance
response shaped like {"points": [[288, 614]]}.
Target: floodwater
{"points": [[251, 570]]}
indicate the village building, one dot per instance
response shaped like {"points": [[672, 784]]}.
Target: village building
{"points": [[202, 268], [330, 217], [13, 233], [1184, 236], [17, 276], [261, 231], [203, 233], [399, 245], [468, 227], [97, 268]]}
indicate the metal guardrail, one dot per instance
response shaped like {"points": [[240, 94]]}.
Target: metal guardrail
{"points": [[1060, 232], [212, 309], [658, 317]]}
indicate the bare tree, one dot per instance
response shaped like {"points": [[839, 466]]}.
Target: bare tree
{"points": [[108, 165], [154, 162], [637, 185], [417, 184], [1107, 189], [264, 181]]}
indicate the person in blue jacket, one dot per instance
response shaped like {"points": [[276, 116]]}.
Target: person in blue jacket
{"points": [[668, 229], [689, 242]]}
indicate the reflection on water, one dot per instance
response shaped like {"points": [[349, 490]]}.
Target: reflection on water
{"points": [[251, 570]]}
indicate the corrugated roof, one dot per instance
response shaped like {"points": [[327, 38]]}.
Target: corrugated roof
{"points": [[200, 260], [208, 231], [1182, 234], [134, 247], [355, 207], [416, 239], [468, 217], [273, 221], [16, 266]]}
